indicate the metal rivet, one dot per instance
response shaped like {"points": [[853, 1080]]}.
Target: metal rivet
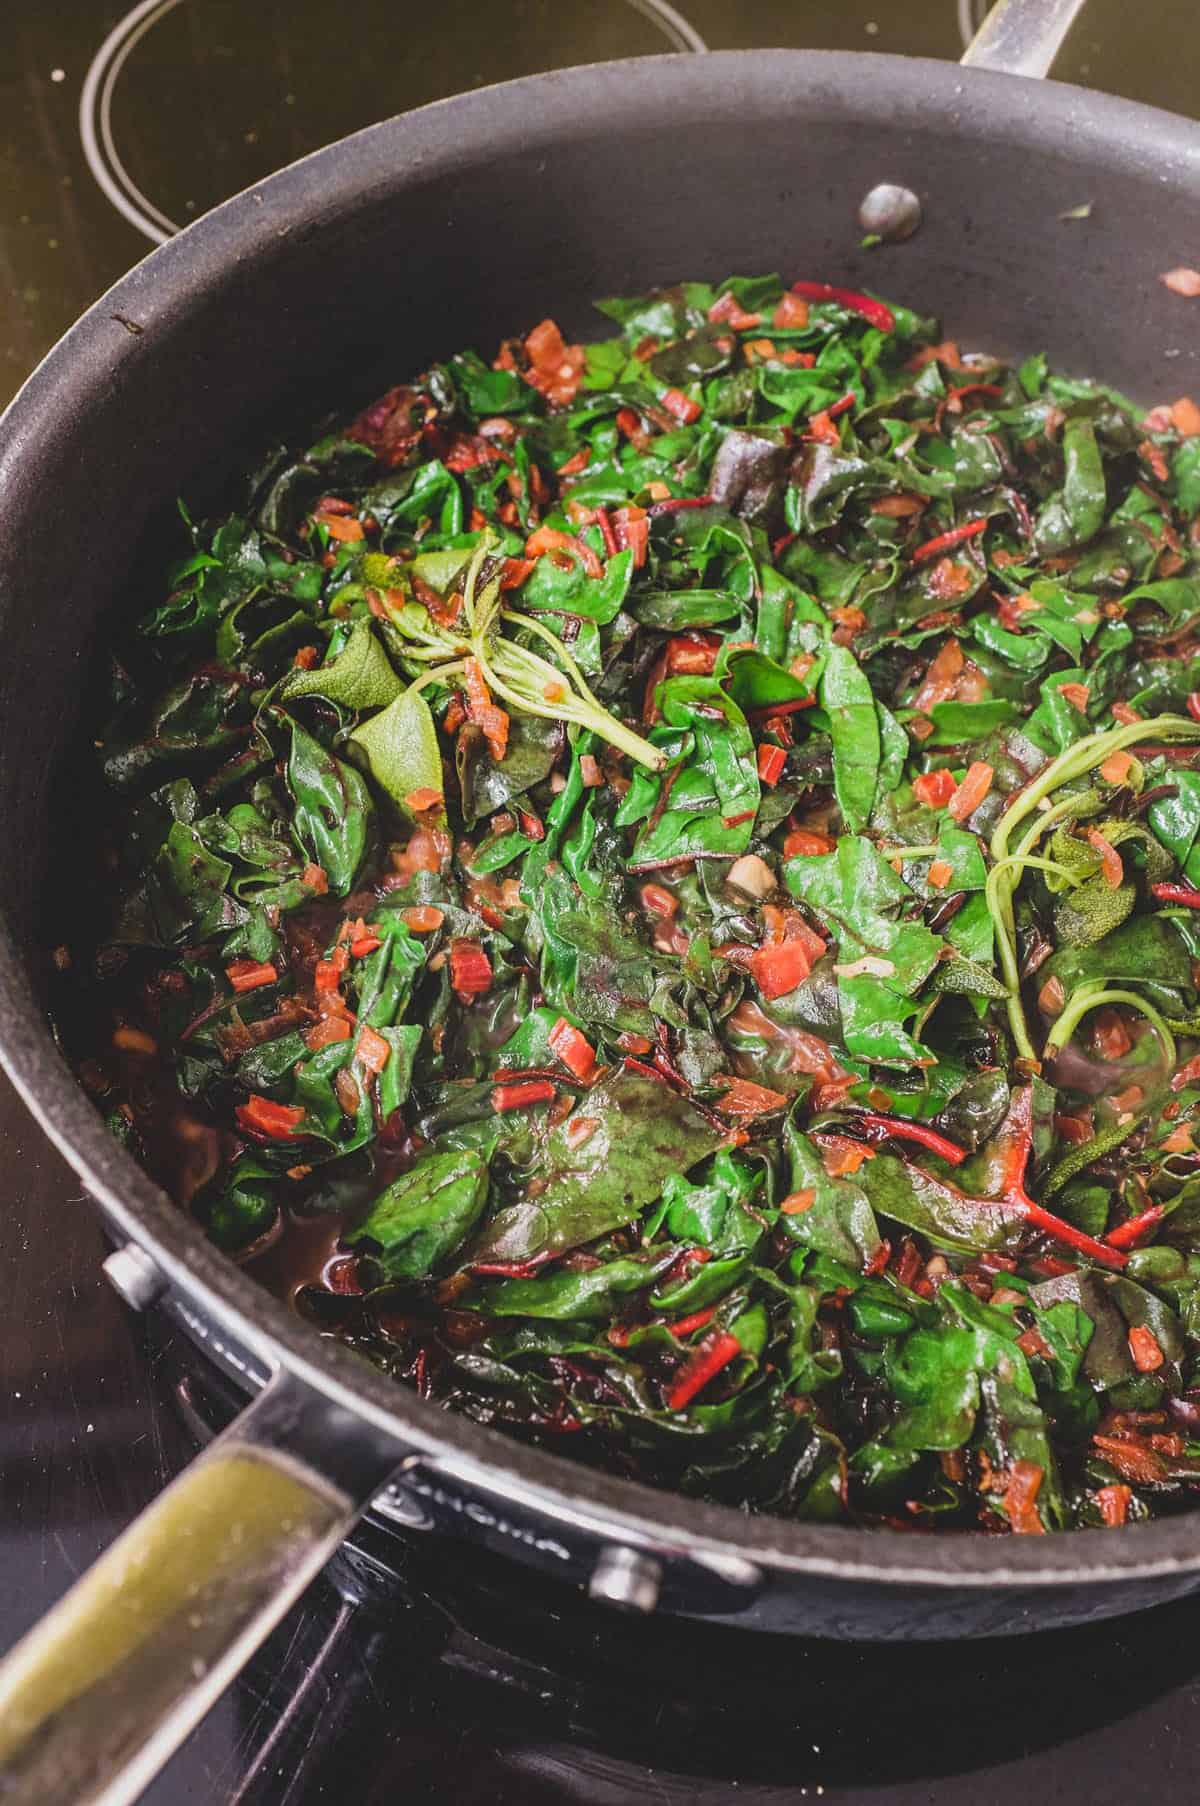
{"points": [[626, 1578], [890, 212], [134, 1276]]}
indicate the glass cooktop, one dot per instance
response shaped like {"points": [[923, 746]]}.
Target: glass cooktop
{"points": [[413, 1670]]}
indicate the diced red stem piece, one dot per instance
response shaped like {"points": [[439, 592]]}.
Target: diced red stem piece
{"points": [[901, 1130], [944, 542], [877, 313], [1177, 893], [714, 1353], [521, 1097], [1128, 1235]]}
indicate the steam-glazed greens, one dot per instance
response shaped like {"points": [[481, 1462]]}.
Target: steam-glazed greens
{"points": [[656, 890]]}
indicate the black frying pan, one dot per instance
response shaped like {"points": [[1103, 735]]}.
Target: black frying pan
{"points": [[446, 227]]}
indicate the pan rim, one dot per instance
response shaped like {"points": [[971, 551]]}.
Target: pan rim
{"points": [[441, 136]]}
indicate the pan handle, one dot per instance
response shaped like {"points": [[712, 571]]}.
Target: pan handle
{"points": [[98, 1695], [1022, 37]]}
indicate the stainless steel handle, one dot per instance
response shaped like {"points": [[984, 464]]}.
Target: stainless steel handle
{"points": [[99, 1694], [1022, 37]]}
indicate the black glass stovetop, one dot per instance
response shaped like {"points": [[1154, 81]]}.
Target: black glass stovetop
{"points": [[413, 1669]]}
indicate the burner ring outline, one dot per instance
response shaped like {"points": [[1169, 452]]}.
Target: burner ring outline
{"points": [[104, 70]]}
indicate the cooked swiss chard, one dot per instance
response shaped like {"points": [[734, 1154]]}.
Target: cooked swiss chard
{"points": [[654, 891]]}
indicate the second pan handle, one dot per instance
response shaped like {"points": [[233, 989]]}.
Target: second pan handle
{"points": [[1022, 37]]}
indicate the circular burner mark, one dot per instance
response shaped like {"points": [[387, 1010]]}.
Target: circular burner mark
{"points": [[971, 14], [105, 71], [680, 31], [95, 121]]}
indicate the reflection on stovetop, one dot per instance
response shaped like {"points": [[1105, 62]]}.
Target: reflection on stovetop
{"points": [[418, 1657]]}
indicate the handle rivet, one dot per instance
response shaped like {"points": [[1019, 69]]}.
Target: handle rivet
{"points": [[890, 212], [134, 1276], [626, 1578]]}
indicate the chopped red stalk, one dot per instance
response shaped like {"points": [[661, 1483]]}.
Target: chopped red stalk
{"points": [[971, 792], [841, 1155], [993, 389], [727, 310], [1148, 1357], [746, 1099], [659, 901], [942, 542], [1193, 704], [373, 1050], [1061, 1231], [1114, 1502], [346, 531], [874, 312], [516, 572], [1020, 1126], [328, 973], [629, 423], [631, 529], [554, 367], [1111, 864], [573, 1048], [684, 409], [424, 797], [792, 707], [483, 711], [262, 1116], [779, 967], [901, 1130], [797, 1202], [1024, 1483], [364, 944], [550, 539], [1017, 1131], [1177, 893], [934, 788], [1048, 1266], [692, 654], [514, 1269], [1134, 1459], [1128, 1235], [520, 1097], [676, 504], [611, 547], [341, 1276], [909, 1264], [714, 1353], [328, 1030], [250, 974], [771, 761], [878, 1261], [683, 1326], [841, 405], [470, 968]]}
